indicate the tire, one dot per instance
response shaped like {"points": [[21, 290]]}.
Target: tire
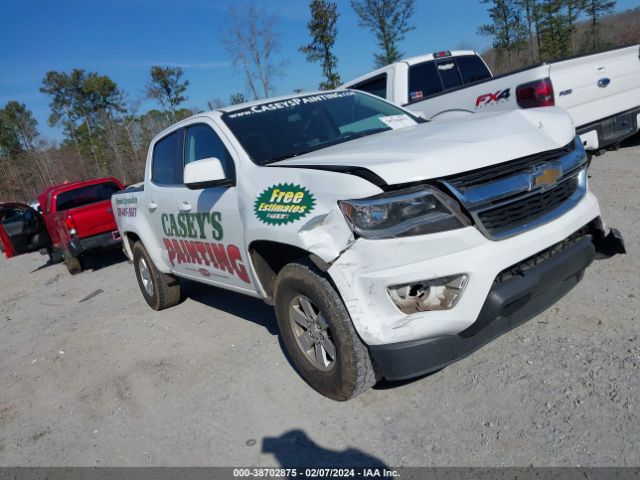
{"points": [[160, 290], [55, 255], [351, 371], [75, 265]]}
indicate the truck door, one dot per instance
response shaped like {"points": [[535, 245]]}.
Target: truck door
{"points": [[211, 244], [159, 191], [22, 230]]}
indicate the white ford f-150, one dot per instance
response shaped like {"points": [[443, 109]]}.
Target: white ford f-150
{"points": [[389, 245], [600, 91]]}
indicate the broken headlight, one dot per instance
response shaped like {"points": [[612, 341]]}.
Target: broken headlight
{"points": [[413, 211]]}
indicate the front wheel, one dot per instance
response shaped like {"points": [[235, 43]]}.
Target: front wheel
{"points": [[318, 333], [158, 289]]}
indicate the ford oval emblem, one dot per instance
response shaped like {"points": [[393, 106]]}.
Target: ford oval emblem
{"points": [[603, 82]]}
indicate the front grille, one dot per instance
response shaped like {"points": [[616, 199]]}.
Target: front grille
{"points": [[521, 212], [502, 170], [512, 197]]}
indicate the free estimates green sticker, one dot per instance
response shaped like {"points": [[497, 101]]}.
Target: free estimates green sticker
{"points": [[283, 203]]}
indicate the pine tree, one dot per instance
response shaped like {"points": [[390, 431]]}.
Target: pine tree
{"points": [[508, 29], [555, 30], [322, 28], [166, 86], [389, 22], [529, 9], [597, 9], [574, 9]]}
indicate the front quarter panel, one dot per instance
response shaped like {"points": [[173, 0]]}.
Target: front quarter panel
{"points": [[299, 207]]}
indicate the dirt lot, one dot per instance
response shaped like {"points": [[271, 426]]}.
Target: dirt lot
{"points": [[89, 375]]}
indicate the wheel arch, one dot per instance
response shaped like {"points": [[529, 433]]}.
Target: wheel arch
{"points": [[268, 257]]}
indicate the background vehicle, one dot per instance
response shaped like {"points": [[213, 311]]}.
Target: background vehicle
{"points": [[389, 246], [76, 217], [600, 91]]}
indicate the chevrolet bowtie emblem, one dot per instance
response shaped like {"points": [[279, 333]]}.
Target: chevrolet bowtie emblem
{"points": [[546, 177]]}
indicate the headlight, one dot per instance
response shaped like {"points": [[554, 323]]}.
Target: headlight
{"points": [[413, 211]]}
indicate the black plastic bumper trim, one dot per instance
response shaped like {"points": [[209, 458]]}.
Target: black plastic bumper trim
{"points": [[508, 305], [605, 138], [103, 240]]}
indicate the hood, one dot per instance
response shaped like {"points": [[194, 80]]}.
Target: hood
{"points": [[442, 148]]}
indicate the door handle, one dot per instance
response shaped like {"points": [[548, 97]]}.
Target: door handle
{"points": [[184, 206], [151, 205]]}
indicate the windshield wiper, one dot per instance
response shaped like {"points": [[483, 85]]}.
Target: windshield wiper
{"points": [[287, 156]]}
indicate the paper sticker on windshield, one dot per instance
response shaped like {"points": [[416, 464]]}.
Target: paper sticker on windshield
{"points": [[397, 121], [283, 203]]}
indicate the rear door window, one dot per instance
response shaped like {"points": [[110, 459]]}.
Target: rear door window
{"points": [[376, 86], [423, 81], [86, 195], [472, 68], [166, 155]]}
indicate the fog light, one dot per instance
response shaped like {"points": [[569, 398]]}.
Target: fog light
{"points": [[435, 294]]}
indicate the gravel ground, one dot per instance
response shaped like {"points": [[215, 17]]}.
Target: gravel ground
{"points": [[89, 375]]}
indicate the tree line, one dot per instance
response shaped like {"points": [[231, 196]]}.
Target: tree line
{"points": [[105, 133], [530, 31]]}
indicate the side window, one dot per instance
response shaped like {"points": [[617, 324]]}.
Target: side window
{"points": [[449, 74], [165, 156], [202, 142], [375, 86], [423, 81], [472, 68]]}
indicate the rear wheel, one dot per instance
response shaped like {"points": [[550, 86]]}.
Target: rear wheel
{"points": [[160, 290], [319, 335], [74, 264]]}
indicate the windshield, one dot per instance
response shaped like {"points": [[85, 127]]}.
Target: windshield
{"points": [[274, 131]]}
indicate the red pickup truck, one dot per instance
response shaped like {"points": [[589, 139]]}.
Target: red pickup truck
{"points": [[76, 217]]}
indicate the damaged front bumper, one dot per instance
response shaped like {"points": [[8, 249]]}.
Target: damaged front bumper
{"points": [[503, 289], [511, 302]]}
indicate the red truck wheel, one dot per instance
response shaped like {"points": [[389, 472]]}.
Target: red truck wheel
{"points": [[74, 264]]}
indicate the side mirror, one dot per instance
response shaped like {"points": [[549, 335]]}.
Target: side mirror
{"points": [[206, 173]]}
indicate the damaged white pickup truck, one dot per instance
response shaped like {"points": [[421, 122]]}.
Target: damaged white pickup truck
{"points": [[390, 246]]}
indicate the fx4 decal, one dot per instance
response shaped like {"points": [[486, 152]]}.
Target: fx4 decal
{"points": [[493, 98]]}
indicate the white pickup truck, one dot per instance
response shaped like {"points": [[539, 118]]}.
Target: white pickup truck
{"points": [[389, 246], [600, 91]]}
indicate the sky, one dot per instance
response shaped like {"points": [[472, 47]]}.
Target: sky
{"points": [[123, 38]]}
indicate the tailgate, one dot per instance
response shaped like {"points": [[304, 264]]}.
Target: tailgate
{"points": [[598, 86], [93, 219]]}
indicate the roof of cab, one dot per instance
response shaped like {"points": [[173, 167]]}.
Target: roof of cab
{"points": [[233, 108], [240, 106], [411, 61]]}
